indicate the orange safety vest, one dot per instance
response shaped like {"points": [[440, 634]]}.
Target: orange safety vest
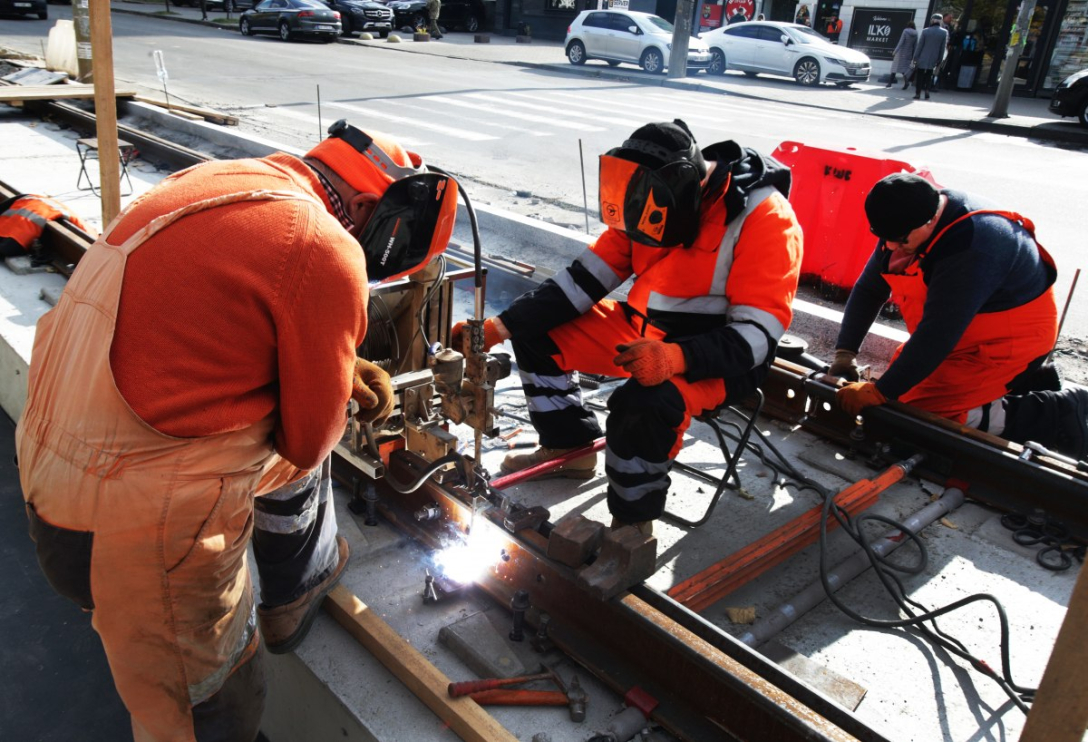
{"points": [[994, 348], [170, 517], [834, 27], [25, 218]]}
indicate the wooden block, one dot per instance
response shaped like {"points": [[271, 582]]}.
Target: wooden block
{"points": [[463, 715]]}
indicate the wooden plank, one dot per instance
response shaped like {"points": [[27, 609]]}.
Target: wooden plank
{"points": [[11, 93], [463, 715], [206, 113], [105, 108], [1060, 710]]}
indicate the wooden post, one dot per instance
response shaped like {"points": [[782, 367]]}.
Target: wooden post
{"points": [[105, 110], [1060, 710]]}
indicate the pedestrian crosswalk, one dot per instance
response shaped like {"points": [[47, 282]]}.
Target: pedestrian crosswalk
{"points": [[562, 112]]}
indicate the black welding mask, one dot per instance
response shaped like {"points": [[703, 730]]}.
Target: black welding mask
{"points": [[656, 207], [414, 208]]}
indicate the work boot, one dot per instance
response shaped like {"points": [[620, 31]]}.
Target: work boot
{"points": [[1057, 420], [580, 468], [285, 626], [645, 527]]}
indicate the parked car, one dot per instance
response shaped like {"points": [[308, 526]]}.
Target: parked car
{"points": [[628, 36], [291, 19], [466, 14], [363, 15], [1071, 97], [25, 7], [784, 49]]}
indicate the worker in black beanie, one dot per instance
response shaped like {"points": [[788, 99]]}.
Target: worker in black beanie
{"points": [[977, 294], [715, 252]]}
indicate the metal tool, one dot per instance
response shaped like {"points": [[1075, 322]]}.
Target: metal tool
{"points": [[519, 604]]}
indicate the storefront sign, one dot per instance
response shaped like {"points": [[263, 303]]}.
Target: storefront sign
{"points": [[747, 8], [876, 31], [711, 17]]}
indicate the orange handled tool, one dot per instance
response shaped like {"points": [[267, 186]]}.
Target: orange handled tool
{"points": [[519, 697], [466, 687]]}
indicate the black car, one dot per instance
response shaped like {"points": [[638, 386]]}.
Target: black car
{"points": [[1071, 97], [291, 19], [466, 14], [24, 7], [363, 15]]}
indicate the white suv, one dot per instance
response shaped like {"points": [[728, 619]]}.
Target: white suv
{"points": [[628, 36], [784, 49]]}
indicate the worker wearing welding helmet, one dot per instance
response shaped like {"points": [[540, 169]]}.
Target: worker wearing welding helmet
{"points": [[185, 394], [715, 252], [977, 294]]}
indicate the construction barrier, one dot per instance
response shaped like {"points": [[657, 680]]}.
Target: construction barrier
{"points": [[828, 196]]}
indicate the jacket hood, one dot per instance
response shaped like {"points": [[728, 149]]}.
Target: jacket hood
{"points": [[749, 170]]}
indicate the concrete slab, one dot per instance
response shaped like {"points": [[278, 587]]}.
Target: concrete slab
{"points": [[480, 645]]}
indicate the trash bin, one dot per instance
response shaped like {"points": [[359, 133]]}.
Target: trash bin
{"points": [[828, 195]]}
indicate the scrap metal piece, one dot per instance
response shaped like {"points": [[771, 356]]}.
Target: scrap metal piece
{"points": [[518, 517], [627, 558]]}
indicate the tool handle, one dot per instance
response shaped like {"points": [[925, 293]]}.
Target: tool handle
{"points": [[517, 697], [466, 687]]}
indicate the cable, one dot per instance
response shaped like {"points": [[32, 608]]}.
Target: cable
{"points": [[885, 570]]}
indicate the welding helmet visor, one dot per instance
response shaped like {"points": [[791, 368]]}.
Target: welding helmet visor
{"points": [[410, 225], [655, 207]]}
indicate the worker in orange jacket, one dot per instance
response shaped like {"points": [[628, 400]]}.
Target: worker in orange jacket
{"points": [[977, 293], [23, 219], [834, 28], [186, 392], [715, 251]]}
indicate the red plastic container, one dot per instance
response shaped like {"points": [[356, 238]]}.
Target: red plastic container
{"points": [[828, 196]]}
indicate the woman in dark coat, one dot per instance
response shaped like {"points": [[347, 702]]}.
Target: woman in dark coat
{"points": [[904, 53]]}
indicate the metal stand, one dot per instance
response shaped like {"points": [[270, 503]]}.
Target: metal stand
{"points": [[88, 150]]}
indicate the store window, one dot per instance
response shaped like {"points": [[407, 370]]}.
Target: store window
{"points": [[1070, 45]]}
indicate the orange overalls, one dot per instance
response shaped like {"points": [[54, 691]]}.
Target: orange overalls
{"points": [[994, 348], [164, 521]]}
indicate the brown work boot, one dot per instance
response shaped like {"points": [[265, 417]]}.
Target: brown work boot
{"points": [[581, 468], [645, 527], [285, 626]]}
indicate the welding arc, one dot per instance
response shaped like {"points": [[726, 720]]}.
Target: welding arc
{"points": [[885, 570]]}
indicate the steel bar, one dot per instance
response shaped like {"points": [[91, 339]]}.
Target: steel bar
{"points": [[535, 471], [704, 589]]}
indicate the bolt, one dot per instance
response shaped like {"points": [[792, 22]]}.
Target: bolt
{"points": [[430, 595], [540, 641], [519, 604]]}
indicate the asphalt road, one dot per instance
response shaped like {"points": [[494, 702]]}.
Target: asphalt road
{"points": [[513, 135]]}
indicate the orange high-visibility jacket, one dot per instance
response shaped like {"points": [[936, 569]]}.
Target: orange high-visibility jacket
{"points": [[23, 219]]}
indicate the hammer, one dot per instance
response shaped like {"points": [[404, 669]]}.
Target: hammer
{"points": [[575, 698], [468, 687]]}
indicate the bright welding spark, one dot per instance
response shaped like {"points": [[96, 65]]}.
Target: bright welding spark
{"points": [[467, 561]]}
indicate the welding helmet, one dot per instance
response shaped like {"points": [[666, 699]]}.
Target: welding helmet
{"points": [[651, 186], [415, 208]]}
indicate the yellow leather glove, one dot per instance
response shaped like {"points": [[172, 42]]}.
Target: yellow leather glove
{"points": [[373, 391], [494, 333], [651, 362], [845, 365], [857, 396]]}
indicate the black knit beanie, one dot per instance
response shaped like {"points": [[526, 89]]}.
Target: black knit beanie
{"points": [[654, 145], [899, 204]]}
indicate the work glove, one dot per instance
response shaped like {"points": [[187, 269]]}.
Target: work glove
{"points": [[845, 365], [373, 391], [494, 333], [857, 396], [651, 362]]}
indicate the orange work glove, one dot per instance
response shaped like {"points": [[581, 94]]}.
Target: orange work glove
{"points": [[372, 389], [857, 396], [494, 333], [651, 362]]}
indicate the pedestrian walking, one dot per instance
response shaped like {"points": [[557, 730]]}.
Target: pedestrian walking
{"points": [[928, 55], [904, 55], [203, 10], [434, 8]]}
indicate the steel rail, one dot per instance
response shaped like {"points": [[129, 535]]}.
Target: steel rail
{"points": [[709, 685]]}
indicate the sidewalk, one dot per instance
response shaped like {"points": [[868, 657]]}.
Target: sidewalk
{"points": [[1028, 117]]}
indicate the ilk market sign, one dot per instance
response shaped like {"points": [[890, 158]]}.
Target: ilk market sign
{"points": [[876, 31]]}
